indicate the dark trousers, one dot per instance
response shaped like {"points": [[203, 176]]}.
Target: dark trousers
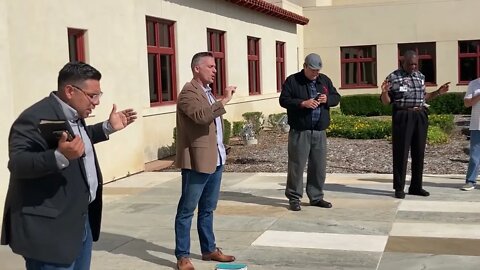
{"points": [[409, 131]]}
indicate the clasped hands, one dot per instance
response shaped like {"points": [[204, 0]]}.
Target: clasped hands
{"points": [[313, 103]]}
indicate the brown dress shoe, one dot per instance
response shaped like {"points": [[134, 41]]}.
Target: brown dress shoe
{"points": [[184, 263], [218, 256]]}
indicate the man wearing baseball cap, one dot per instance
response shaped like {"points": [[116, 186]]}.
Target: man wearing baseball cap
{"points": [[308, 95]]}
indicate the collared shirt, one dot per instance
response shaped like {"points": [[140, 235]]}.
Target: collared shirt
{"points": [[312, 86], [407, 90], [473, 90], [222, 154], [89, 158]]}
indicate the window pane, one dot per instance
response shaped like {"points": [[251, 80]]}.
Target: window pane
{"points": [[369, 73], [367, 52], [216, 39], [468, 46], [251, 47], [218, 78], [468, 69], [350, 71], [349, 53], [152, 77], [165, 61], [72, 48], [150, 34], [252, 68], [164, 35], [426, 49], [209, 42], [427, 67]]}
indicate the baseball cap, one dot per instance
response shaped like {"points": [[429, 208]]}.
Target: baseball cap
{"points": [[313, 61]]}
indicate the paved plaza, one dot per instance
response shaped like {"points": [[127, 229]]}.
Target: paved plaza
{"points": [[366, 229]]}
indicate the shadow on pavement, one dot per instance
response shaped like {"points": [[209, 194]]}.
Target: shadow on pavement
{"points": [[134, 247], [254, 199]]}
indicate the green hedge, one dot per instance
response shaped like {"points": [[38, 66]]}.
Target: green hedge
{"points": [[449, 103], [364, 105], [237, 128], [256, 119], [273, 119], [370, 105], [444, 121], [227, 131], [358, 127], [436, 135]]}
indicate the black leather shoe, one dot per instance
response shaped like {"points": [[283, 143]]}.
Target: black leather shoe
{"points": [[420, 192], [321, 203], [295, 206], [399, 194]]}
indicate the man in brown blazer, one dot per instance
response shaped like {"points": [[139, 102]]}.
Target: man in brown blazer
{"points": [[201, 155]]}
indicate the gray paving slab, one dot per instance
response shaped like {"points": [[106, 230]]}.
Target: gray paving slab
{"points": [[139, 213]]}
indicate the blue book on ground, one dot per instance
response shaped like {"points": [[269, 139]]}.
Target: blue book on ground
{"points": [[228, 266]]}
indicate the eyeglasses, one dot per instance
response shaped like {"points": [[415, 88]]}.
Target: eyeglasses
{"points": [[92, 97]]}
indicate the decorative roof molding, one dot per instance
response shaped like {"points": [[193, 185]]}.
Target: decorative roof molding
{"points": [[272, 10]]}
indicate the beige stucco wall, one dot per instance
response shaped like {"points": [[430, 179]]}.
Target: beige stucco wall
{"points": [[6, 117], [38, 38], [34, 47], [192, 19], [385, 25]]}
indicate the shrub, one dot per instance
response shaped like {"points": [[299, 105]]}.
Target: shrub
{"points": [[237, 127], [227, 131], [364, 105], [436, 135], [355, 127], [274, 118], [256, 119], [443, 121], [449, 103]]}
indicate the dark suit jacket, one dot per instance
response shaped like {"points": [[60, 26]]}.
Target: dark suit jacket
{"points": [[45, 207], [196, 132]]}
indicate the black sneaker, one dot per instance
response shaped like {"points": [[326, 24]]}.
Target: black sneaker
{"points": [[420, 192], [399, 194], [295, 206]]}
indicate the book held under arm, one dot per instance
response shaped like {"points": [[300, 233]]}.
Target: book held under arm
{"points": [[51, 131]]}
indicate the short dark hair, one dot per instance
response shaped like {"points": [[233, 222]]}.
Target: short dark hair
{"points": [[196, 58], [76, 73], [408, 54]]}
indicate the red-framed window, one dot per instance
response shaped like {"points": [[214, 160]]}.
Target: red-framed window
{"points": [[280, 64], [468, 61], [426, 53], [359, 66], [161, 61], [76, 44], [253, 51], [216, 45]]}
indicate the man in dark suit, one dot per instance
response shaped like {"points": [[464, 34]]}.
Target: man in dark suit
{"points": [[54, 200], [201, 155]]}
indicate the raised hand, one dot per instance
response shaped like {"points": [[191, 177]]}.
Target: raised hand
{"points": [[120, 120]]}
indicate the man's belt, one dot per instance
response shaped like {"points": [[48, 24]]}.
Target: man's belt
{"points": [[414, 109]]}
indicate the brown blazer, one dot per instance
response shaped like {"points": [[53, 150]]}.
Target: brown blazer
{"points": [[196, 141]]}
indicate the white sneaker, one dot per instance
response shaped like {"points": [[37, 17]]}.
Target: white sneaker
{"points": [[468, 186]]}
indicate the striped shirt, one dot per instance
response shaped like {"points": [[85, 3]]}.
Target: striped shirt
{"points": [[407, 90]]}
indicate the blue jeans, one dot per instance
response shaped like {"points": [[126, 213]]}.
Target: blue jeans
{"points": [[474, 161], [203, 190], [82, 262]]}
